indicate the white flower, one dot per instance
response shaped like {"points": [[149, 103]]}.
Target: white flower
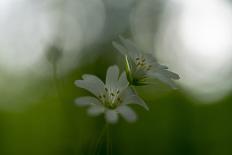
{"points": [[142, 66], [111, 98]]}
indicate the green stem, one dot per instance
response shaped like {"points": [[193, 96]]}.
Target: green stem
{"points": [[128, 70], [108, 140], [95, 150], [109, 147]]}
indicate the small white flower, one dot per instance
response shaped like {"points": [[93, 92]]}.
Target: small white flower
{"points": [[142, 66], [111, 97]]}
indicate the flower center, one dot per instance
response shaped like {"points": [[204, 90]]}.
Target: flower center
{"points": [[111, 98], [142, 64]]}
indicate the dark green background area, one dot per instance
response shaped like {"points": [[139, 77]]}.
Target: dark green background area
{"points": [[54, 125]]}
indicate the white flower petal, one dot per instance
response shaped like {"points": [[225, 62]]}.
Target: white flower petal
{"points": [[133, 50], [129, 97], [94, 79], [127, 48], [163, 78], [90, 86], [95, 110], [127, 113], [112, 76], [149, 57], [86, 100], [134, 99], [111, 116], [123, 82], [120, 48], [169, 74], [91, 83], [156, 66]]}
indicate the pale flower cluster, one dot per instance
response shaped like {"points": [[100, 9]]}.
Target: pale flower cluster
{"points": [[112, 97]]}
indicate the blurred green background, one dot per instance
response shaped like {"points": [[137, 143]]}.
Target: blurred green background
{"points": [[175, 124], [38, 115]]}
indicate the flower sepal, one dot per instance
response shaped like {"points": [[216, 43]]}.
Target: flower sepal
{"points": [[128, 70]]}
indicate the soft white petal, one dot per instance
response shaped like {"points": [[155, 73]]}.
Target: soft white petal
{"points": [[149, 57], [112, 76], [169, 74], [132, 48], [123, 82], [163, 79], [156, 66], [95, 110], [127, 113], [88, 85], [127, 48], [135, 99], [130, 97], [86, 100], [91, 83], [111, 116], [94, 79], [120, 48]]}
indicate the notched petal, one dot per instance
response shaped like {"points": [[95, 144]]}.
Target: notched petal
{"points": [[86, 101], [163, 79], [127, 113], [170, 74], [99, 85], [120, 48], [123, 82], [112, 75], [129, 45], [130, 97], [134, 99], [111, 116], [126, 47], [89, 86], [95, 110]]}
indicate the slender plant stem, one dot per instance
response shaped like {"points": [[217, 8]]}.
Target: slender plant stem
{"points": [[111, 144], [99, 139], [108, 140]]}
